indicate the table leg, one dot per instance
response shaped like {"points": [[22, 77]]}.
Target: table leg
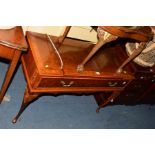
{"points": [[111, 97], [27, 100], [9, 73], [63, 36], [100, 43], [135, 53]]}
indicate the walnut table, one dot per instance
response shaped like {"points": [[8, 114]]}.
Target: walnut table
{"points": [[51, 68]]}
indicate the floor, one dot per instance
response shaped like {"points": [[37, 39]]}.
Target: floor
{"points": [[69, 111]]}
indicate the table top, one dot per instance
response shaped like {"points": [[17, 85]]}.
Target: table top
{"points": [[71, 53]]}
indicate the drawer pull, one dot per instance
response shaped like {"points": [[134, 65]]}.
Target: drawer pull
{"points": [[124, 82], [112, 84], [67, 85], [141, 77]]}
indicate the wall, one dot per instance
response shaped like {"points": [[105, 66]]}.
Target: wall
{"points": [[80, 32]]}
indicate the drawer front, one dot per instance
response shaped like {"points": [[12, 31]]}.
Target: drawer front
{"points": [[66, 82]]}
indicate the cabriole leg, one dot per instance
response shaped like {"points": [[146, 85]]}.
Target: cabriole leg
{"points": [[111, 97], [135, 53], [28, 97]]}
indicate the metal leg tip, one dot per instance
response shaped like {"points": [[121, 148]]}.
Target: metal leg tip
{"points": [[97, 110], [14, 120], [119, 70]]}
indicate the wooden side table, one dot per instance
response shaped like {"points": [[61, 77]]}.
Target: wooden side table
{"points": [[50, 67], [12, 43]]}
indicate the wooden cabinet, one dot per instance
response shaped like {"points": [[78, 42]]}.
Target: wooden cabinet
{"points": [[52, 68]]}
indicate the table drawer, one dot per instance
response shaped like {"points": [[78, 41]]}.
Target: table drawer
{"points": [[80, 82]]}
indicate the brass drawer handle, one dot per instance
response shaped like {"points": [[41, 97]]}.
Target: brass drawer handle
{"points": [[112, 84], [67, 85], [125, 82]]}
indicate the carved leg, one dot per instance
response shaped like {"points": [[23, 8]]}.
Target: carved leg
{"points": [[26, 102], [111, 97], [9, 73], [135, 53], [99, 44]]}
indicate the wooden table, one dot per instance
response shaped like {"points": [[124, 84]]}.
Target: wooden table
{"points": [[51, 68], [12, 44]]}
